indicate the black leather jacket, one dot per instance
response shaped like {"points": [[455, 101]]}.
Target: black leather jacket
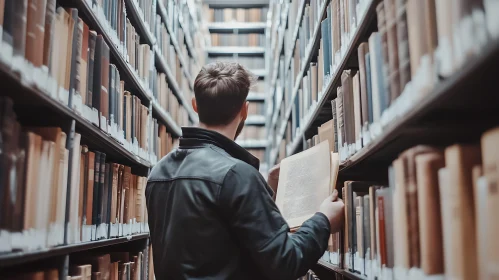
{"points": [[211, 216]]}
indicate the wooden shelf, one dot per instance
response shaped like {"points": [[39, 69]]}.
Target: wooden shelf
{"points": [[348, 274], [17, 258]]}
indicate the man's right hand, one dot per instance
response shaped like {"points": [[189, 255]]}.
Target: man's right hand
{"points": [[333, 208]]}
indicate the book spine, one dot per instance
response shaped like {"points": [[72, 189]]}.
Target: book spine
{"points": [[391, 30], [403, 43], [96, 195], [75, 36], [384, 58], [19, 27]]}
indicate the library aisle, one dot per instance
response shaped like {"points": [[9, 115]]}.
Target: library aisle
{"points": [[405, 92]]}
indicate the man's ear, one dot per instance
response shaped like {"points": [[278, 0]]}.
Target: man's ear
{"points": [[194, 104], [244, 111]]}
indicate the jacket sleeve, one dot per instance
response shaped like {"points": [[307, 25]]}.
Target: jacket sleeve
{"points": [[259, 226]]}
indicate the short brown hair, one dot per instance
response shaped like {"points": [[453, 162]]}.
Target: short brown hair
{"points": [[221, 90]]}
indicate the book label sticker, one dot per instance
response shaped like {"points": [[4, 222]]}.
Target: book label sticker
{"points": [[444, 51], [368, 271], [28, 73], [387, 273], [103, 124], [17, 240], [492, 10], [335, 258], [7, 54], [94, 232], [434, 277], [400, 273], [77, 103], [113, 232], [5, 241], [86, 233], [415, 274]]}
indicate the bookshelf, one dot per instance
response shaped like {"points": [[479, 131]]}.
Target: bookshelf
{"points": [[360, 33], [42, 104], [439, 114], [238, 32], [19, 258]]}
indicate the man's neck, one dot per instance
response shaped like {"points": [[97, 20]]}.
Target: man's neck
{"points": [[226, 130]]}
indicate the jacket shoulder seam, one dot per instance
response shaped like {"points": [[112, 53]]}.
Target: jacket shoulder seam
{"points": [[223, 181]]}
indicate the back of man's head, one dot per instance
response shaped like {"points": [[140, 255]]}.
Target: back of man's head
{"points": [[221, 90]]}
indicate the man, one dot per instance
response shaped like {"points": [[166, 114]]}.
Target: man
{"points": [[211, 214]]}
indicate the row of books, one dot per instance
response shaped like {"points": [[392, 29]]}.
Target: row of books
{"points": [[169, 102], [140, 57], [191, 23], [112, 15], [83, 79], [399, 67], [171, 57], [305, 30], [370, 97], [164, 142], [252, 132], [238, 15], [123, 265], [256, 108], [177, 24], [37, 164], [106, 199], [238, 40], [434, 218], [277, 27], [147, 12], [317, 73]]}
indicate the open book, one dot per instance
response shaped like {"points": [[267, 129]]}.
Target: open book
{"points": [[305, 180]]}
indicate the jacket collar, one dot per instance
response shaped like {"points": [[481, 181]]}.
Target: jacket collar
{"points": [[195, 136]]}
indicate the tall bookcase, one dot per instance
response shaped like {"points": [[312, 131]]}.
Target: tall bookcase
{"points": [[425, 70], [152, 50], [238, 32]]}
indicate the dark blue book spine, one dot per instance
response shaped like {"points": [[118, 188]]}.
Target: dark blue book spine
{"points": [[383, 97], [369, 88]]}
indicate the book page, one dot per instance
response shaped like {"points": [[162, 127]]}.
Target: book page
{"points": [[304, 183]]}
